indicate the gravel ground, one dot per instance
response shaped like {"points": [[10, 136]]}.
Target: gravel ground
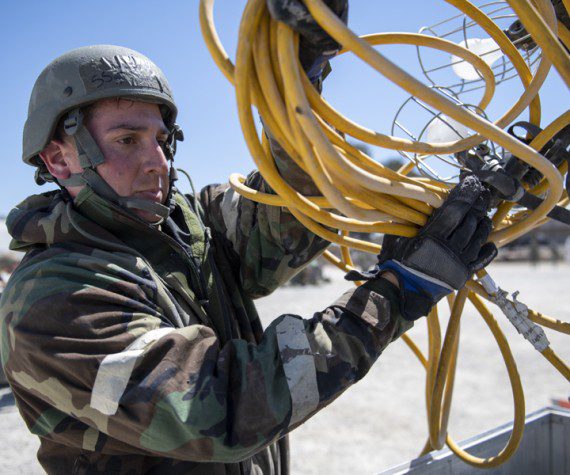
{"points": [[381, 421]]}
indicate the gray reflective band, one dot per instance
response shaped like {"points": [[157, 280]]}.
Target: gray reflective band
{"points": [[116, 369], [299, 367]]}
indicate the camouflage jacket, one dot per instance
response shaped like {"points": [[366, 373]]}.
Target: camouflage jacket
{"points": [[133, 349]]}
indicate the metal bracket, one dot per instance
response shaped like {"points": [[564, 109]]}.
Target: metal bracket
{"points": [[517, 313]]}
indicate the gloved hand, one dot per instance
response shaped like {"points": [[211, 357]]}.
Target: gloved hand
{"points": [[316, 46], [445, 253]]}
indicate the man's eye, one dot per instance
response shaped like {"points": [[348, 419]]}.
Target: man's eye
{"points": [[127, 140]]}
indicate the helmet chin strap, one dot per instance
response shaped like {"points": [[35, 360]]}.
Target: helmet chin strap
{"points": [[90, 157]]}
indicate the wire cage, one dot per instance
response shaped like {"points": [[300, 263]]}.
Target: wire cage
{"points": [[459, 81], [436, 128], [462, 30]]}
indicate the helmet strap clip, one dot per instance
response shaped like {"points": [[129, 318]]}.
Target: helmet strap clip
{"points": [[89, 154]]}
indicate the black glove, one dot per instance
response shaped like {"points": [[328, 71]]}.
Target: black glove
{"points": [[445, 253], [316, 46]]}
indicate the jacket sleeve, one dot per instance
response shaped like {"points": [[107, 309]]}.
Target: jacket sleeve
{"points": [[94, 365], [268, 244]]}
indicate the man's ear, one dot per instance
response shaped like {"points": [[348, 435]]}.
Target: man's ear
{"points": [[55, 159]]}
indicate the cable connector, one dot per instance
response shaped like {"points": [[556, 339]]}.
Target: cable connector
{"points": [[516, 312]]}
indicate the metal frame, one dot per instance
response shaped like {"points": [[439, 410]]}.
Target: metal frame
{"points": [[544, 449]]}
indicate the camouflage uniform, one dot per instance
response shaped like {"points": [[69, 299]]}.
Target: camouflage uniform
{"points": [[132, 349]]}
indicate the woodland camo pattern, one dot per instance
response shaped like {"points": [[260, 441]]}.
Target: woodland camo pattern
{"points": [[133, 349]]}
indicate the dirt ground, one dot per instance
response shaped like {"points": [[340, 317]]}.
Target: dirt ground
{"points": [[381, 421]]}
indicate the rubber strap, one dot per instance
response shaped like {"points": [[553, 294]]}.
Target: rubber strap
{"points": [[145, 205], [532, 129], [557, 213], [89, 153], [75, 179]]}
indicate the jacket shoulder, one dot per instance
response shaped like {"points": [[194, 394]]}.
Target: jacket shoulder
{"points": [[65, 279]]}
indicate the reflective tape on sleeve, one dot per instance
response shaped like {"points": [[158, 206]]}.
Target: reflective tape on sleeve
{"points": [[299, 367], [115, 371]]}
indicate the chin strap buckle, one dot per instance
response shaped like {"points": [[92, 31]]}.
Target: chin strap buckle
{"points": [[176, 135]]}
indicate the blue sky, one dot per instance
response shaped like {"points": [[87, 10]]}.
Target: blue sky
{"points": [[33, 33]]}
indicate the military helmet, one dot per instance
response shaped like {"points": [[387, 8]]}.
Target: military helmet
{"points": [[83, 76]]}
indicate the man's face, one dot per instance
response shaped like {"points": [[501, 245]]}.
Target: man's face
{"points": [[131, 136]]}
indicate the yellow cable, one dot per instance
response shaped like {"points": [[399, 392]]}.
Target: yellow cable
{"points": [[557, 362], [564, 34], [437, 421], [361, 195], [518, 397], [334, 26], [544, 36]]}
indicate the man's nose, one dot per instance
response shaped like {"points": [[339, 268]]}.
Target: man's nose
{"points": [[155, 159]]}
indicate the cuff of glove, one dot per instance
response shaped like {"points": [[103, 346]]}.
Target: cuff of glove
{"points": [[415, 281], [418, 292]]}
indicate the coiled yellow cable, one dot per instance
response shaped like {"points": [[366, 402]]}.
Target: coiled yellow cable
{"points": [[361, 195]]}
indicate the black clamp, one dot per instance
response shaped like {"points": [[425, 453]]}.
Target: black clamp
{"points": [[519, 36], [486, 166], [505, 177]]}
